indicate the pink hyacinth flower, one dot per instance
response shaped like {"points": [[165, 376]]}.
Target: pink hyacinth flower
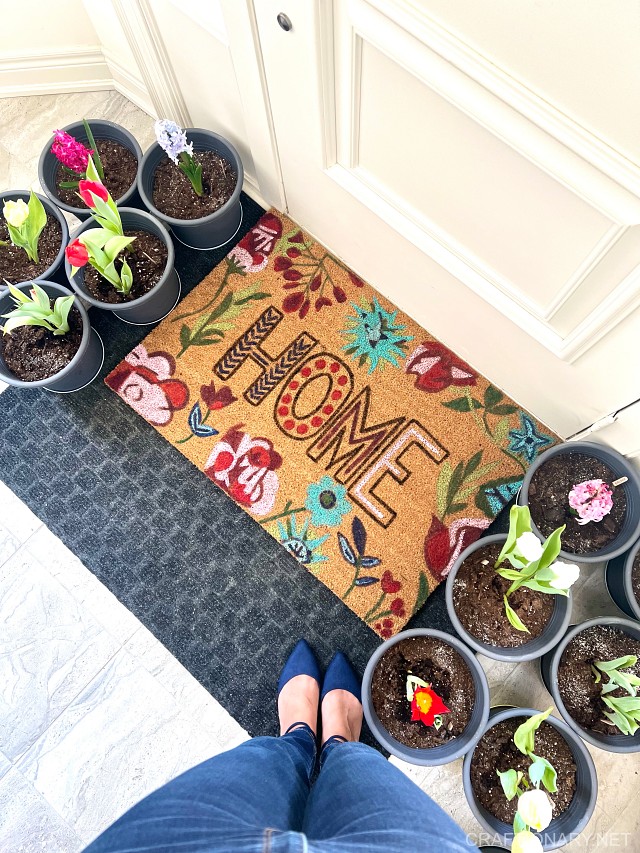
{"points": [[592, 500], [71, 153]]}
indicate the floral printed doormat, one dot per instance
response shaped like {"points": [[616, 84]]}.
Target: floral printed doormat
{"points": [[368, 449]]}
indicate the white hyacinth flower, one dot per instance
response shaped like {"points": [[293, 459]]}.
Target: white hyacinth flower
{"points": [[529, 546], [562, 575], [535, 809], [526, 842]]}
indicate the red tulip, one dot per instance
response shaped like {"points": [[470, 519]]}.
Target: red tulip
{"points": [[86, 188], [426, 706], [76, 253]]}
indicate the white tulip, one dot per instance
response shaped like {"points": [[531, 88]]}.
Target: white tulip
{"points": [[562, 575], [15, 212], [534, 807], [529, 546], [526, 842]]}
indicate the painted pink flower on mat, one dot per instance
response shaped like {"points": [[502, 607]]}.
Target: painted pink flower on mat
{"points": [[252, 252], [437, 368], [143, 380], [245, 468], [443, 545]]}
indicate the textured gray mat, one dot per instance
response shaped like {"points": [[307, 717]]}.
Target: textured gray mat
{"points": [[206, 579]]}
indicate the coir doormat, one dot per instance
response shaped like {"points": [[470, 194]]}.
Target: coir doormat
{"points": [[368, 449]]}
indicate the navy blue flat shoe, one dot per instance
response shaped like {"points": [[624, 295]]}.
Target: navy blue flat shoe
{"points": [[301, 661], [340, 675]]}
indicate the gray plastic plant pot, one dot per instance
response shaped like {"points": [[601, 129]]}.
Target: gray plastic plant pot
{"points": [[551, 635], [155, 304], [439, 754], [549, 671], [83, 367], [617, 576], [621, 467], [208, 232], [573, 820], [48, 163], [56, 271]]}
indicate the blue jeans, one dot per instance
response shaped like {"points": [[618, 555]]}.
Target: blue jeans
{"points": [[258, 798]]}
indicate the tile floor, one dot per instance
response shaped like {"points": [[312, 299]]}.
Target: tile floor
{"points": [[94, 711]]}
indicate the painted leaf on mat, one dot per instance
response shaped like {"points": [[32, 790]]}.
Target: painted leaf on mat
{"points": [[367, 580], [370, 562], [346, 549], [359, 535], [196, 426]]}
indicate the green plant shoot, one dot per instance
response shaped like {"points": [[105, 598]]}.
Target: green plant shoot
{"points": [[624, 711], [96, 155], [36, 310]]}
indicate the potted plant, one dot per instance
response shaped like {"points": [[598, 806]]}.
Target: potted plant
{"points": [[529, 774], [425, 697], [594, 677], [64, 159], [47, 340], [622, 576], [591, 489], [122, 260], [33, 236], [192, 179], [507, 596]]}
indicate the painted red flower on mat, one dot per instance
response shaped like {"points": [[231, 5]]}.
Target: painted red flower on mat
{"points": [[252, 252], [437, 368], [443, 545], [143, 380], [245, 468]]}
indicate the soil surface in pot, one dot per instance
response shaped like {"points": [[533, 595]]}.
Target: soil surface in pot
{"points": [[147, 259], [478, 599], [549, 502], [15, 265], [576, 682], [635, 577], [173, 194], [120, 166], [440, 665], [496, 751], [32, 353]]}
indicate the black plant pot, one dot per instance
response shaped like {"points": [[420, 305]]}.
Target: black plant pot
{"points": [[208, 232], [549, 670], [555, 628], [618, 579], [621, 467], [85, 365], [573, 820], [439, 754], [158, 302], [48, 163], [56, 271]]}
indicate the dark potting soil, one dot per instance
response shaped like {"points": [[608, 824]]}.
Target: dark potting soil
{"points": [[173, 194], [549, 502], [440, 665], [120, 167], [32, 353], [478, 599], [635, 577], [147, 258], [497, 751], [15, 265], [576, 682]]}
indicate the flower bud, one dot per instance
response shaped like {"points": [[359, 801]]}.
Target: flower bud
{"points": [[529, 546], [15, 212], [77, 254], [526, 842], [562, 575], [535, 809], [89, 189]]}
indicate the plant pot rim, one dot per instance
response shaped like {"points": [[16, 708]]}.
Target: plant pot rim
{"points": [[584, 447], [50, 208], [210, 217], [90, 223], [628, 584], [575, 745], [554, 659], [11, 379], [519, 653], [424, 756], [134, 147]]}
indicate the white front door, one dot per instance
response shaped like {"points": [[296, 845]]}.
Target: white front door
{"points": [[444, 182]]}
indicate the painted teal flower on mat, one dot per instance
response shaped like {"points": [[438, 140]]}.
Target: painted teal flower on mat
{"points": [[327, 503], [374, 336], [300, 543], [527, 442]]}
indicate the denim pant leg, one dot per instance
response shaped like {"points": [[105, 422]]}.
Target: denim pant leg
{"points": [[362, 804], [247, 800]]}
